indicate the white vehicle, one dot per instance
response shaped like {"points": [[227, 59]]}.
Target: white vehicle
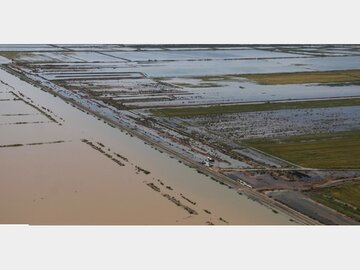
{"points": [[208, 164], [209, 159]]}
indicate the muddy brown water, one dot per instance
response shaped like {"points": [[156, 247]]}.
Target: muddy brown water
{"points": [[72, 183]]}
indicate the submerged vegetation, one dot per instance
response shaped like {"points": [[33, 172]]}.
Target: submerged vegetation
{"points": [[99, 149], [139, 169], [30, 103], [29, 144], [11, 145], [154, 187], [178, 203], [187, 199]]}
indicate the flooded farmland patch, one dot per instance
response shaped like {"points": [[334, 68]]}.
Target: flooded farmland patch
{"points": [[71, 183], [281, 122], [129, 134]]}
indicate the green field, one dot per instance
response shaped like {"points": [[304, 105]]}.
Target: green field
{"points": [[340, 150], [269, 106], [344, 198], [342, 76]]}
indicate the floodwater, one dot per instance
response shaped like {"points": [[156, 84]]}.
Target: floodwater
{"points": [[246, 91], [4, 60], [69, 57], [28, 47], [55, 178], [197, 55], [280, 122], [219, 67]]}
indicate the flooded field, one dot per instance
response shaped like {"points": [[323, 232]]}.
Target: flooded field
{"points": [[199, 55], [130, 134], [187, 76], [51, 176], [265, 124]]}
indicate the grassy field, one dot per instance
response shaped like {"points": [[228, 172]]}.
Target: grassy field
{"points": [[343, 76], [10, 55], [269, 106], [217, 78], [340, 150], [344, 198]]}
